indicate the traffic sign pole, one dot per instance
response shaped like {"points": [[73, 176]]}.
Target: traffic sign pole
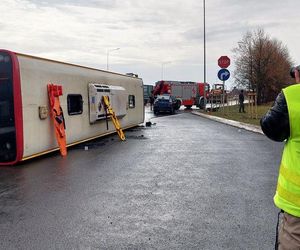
{"points": [[223, 96], [223, 74]]}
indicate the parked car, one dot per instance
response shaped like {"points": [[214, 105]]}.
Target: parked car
{"points": [[164, 103]]}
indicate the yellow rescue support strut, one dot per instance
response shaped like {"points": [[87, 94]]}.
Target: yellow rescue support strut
{"points": [[114, 118]]}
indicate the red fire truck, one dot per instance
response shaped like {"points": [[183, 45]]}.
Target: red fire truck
{"points": [[186, 93]]}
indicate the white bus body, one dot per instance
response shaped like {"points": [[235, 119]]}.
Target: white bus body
{"points": [[26, 128]]}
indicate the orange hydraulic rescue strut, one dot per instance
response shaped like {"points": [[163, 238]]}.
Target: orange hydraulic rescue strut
{"points": [[109, 111], [54, 91]]}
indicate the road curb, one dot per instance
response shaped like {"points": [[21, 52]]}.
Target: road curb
{"points": [[242, 125]]}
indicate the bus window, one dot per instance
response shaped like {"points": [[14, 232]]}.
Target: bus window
{"points": [[75, 104], [131, 101]]}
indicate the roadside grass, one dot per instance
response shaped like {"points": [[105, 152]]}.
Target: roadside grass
{"points": [[232, 113]]}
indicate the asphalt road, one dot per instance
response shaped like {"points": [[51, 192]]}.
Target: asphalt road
{"points": [[184, 183]]}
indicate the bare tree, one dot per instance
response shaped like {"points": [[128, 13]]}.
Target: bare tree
{"points": [[262, 65]]}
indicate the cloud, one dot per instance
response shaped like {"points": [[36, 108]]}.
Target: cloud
{"points": [[91, 3], [148, 32]]}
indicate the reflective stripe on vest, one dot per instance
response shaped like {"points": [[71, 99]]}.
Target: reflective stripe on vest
{"points": [[287, 195], [292, 178], [289, 175]]}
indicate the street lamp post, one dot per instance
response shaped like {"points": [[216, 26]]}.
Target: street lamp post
{"points": [[162, 69], [204, 54], [107, 56]]}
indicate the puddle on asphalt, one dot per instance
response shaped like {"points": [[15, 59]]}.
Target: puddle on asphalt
{"points": [[108, 141], [137, 137]]}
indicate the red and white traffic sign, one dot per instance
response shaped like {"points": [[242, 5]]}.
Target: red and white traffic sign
{"points": [[224, 61]]}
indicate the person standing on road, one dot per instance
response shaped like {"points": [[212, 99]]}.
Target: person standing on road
{"points": [[151, 100], [241, 102], [282, 122]]}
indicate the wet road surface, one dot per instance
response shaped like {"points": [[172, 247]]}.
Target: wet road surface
{"points": [[184, 183]]}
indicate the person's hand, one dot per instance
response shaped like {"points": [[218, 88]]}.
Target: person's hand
{"points": [[297, 76]]}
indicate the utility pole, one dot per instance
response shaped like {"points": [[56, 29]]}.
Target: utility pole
{"points": [[107, 56], [204, 54], [162, 69]]}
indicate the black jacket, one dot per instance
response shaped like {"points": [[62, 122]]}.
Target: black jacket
{"points": [[241, 98], [275, 123]]}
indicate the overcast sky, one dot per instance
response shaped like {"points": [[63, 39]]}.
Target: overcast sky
{"points": [[151, 34]]}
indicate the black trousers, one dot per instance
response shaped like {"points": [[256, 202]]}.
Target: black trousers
{"points": [[242, 107]]}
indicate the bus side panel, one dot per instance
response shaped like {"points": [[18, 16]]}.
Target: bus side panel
{"points": [[36, 73]]}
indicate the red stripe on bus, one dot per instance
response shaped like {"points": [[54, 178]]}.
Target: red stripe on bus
{"points": [[18, 110]]}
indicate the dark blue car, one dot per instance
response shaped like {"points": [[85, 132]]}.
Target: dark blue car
{"points": [[164, 103]]}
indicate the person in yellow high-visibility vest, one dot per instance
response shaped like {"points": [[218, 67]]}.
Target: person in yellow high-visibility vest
{"points": [[282, 122]]}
